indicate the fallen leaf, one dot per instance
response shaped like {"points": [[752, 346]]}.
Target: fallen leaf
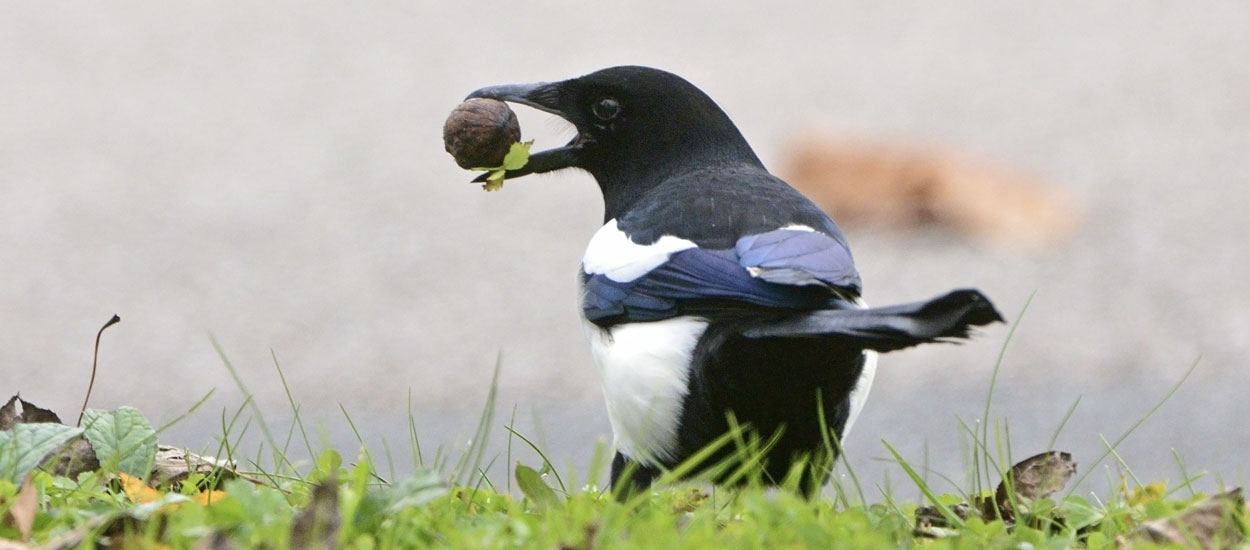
{"points": [[317, 525], [207, 498], [72, 459], [173, 465], [137, 490], [19, 411], [930, 522], [25, 507], [1038, 476], [1209, 524], [918, 187]]}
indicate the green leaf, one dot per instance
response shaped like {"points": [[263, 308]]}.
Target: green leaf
{"points": [[518, 155], [1078, 513], [328, 466], [532, 486], [494, 181], [1099, 541], [122, 439], [25, 446], [423, 487]]}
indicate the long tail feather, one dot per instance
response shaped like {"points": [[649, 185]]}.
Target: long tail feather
{"points": [[942, 319]]}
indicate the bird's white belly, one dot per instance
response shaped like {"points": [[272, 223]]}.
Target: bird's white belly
{"points": [[645, 370]]}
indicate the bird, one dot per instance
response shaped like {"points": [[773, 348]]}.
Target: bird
{"points": [[716, 299]]}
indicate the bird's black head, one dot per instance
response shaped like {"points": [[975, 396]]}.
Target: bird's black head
{"points": [[635, 127]]}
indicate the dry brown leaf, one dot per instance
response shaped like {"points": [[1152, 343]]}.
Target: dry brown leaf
{"points": [[20, 411], [74, 458], [1038, 476], [907, 186], [1035, 477], [930, 522], [25, 507], [1209, 524], [173, 465]]}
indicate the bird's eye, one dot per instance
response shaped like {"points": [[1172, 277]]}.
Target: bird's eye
{"points": [[606, 109]]}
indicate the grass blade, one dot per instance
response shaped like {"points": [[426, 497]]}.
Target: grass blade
{"points": [[924, 488]]}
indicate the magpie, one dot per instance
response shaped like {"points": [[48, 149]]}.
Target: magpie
{"points": [[715, 297]]}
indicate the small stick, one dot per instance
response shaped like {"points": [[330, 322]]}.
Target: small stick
{"points": [[95, 357]]}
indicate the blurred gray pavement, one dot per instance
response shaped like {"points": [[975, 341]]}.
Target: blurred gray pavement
{"points": [[271, 176]]}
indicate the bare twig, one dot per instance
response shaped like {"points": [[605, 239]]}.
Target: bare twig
{"points": [[95, 358]]}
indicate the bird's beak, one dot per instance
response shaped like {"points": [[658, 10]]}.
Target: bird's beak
{"points": [[544, 96]]}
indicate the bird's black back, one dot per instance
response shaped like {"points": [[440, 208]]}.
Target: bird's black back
{"points": [[714, 206]]}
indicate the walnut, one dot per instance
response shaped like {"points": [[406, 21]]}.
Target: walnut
{"points": [[479, 132]]}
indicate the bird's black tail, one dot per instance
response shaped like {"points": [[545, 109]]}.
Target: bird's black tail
{"points": [[942, 319]]}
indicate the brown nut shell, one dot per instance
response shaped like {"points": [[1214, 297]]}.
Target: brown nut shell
{"points": [[479, 132]]}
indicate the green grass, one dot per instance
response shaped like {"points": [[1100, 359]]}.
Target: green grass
{"points": [[423, 512], [451, 502]]}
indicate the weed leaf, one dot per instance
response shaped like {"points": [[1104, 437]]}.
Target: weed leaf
{"points": [[1078, 513], [531, 484], [20, 411], [122, 439], [25, 446], [423, 487]]}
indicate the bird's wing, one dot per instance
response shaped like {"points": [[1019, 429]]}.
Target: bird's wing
{"points": [[798, 255], [791, 268]]}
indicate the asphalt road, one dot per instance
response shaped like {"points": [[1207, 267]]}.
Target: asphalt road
{"points": [[270, 178]]}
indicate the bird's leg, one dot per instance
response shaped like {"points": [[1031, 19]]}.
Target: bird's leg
{"points": [[630, 477]]}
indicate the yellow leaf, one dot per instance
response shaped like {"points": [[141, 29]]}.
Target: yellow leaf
{"points": [[1152, 491], [136, 490], [207, 498]]}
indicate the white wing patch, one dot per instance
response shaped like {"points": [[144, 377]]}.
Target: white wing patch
{"points": [[798, 227], [611, 253], [644, 369]]}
